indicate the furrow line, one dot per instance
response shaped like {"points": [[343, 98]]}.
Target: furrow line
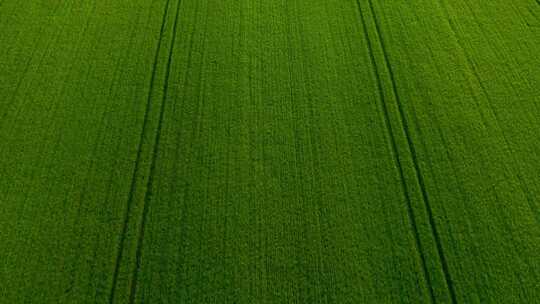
{"points": [[138, 158], [419, 177], [395, 153], [150, 182]]}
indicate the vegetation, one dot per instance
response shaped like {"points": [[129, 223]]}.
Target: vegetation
{"points": [[240, 151]]}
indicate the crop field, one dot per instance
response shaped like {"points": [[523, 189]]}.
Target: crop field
{"points": [[269, 151]]}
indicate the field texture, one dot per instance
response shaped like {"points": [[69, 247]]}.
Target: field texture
{"points": [[270, 151]]}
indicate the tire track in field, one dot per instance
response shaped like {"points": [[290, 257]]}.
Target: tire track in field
{"points": [[184, 207], [395, 153], [412, 150], [138, 158], [148, 193]]}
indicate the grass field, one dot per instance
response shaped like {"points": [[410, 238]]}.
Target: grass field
{"points": [[242, 151]]}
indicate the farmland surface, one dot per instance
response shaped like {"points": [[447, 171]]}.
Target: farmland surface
{"points": [[288, 151]]}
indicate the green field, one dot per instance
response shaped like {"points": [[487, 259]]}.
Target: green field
{"points": [[270, 151]]}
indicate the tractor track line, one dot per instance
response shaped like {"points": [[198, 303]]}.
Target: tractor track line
{"points": [[395, 153], [419, 177], [148, 193], [137, 159]]}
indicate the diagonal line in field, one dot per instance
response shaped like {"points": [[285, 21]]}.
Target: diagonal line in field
{"points": [[413, 153], [420, 178], [150, 182], [395, 153], [138, 159]]}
